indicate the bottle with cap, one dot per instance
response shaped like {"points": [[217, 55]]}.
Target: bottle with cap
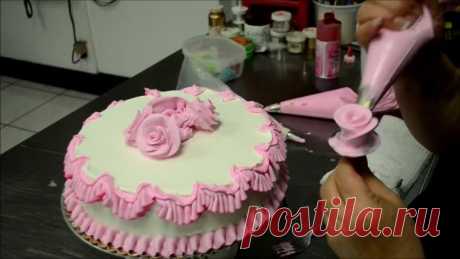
{"points": [[216, 20], [327, 56]]}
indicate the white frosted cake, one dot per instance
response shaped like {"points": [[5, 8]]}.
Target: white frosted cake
{"points": [[172, 173]]}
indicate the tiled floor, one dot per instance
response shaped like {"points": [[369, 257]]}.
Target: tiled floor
{"points": [[28, 107]]}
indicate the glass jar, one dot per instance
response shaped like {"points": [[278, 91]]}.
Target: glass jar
{"points": [[295, 42]]}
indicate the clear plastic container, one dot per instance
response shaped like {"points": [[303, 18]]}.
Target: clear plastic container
{"points": [[221, 57]]}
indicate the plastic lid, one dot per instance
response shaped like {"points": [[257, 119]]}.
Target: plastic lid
{"points": [[277, 34], [295, 36], [281, 16], [328, 28], [309, 32]]}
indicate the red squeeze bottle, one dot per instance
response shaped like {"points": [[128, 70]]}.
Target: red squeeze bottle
{"points": [[327, 58]]}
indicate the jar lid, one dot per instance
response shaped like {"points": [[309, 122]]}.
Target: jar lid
{"points": [[309, 32], [230, 32], [295, 36], [217, 9], [281, 16], [277, 34]]}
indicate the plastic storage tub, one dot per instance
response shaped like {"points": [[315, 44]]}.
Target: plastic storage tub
{"points": [[220, 56]]}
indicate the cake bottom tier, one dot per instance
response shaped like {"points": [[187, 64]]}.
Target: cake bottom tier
{"points": [[152, 236]]}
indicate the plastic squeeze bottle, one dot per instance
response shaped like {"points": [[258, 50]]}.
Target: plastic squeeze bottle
{"points": [[327, 58]]}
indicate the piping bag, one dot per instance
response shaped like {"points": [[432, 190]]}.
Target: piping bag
{"points": [[325, 104], [387, 55]]}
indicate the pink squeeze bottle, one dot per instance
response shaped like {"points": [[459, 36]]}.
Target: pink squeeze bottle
{"points": [[387, 55]]}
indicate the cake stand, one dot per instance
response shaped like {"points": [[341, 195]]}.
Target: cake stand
{"points": [[223, 253]]}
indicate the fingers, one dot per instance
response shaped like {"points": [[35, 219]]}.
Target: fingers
{"points": [[382, 191], [369, 30], [349, 183], [394, 15], [328, 192], [328, 189]]}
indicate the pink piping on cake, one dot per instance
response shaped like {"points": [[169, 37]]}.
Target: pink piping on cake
{"points": [[180, 209], [159, 245], [113, 104], [152, 92], [93, 117], [255, 107], [227, 95], [193, 90]]}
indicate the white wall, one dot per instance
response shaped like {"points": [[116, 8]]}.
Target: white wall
{"points": [[46, 38], [124, 38], [133, 35]]}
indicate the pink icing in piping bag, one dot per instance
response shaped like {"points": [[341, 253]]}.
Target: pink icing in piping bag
{"points": [[325, 104], [387, 55], [321, 105]]}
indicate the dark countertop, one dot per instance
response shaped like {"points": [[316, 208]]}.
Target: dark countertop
{"points": [[31, 220]]}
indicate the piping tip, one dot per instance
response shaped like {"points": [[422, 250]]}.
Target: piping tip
{"points": [[363, 101], [291, 136], [273, 108]]}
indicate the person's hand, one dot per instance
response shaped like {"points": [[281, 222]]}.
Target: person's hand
{"points": [[390, 14], [344, 183]]}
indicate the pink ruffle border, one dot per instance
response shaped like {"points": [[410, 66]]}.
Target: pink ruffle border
{"points": [[164, 246], [180, 209]]}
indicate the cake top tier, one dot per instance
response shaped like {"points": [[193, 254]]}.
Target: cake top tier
{"points": [[235, 148]]}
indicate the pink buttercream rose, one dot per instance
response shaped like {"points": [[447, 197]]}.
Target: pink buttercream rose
{"points": [[197, 114], [168, 105], [204, 115], [356, 137], [166, 122], [131, 131], [158, 136], [176, 108]]}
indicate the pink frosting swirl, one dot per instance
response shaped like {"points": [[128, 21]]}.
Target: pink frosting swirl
{"points": [[158, 136], [356, 137], [152, 92], [193, 90], [227, 95]]}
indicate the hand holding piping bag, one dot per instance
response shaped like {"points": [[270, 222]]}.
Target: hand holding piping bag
{"points": [[352, 178], [388, 53]]}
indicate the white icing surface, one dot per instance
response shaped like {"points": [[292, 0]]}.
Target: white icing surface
{"points": [[206, 158], [152, 225]]}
